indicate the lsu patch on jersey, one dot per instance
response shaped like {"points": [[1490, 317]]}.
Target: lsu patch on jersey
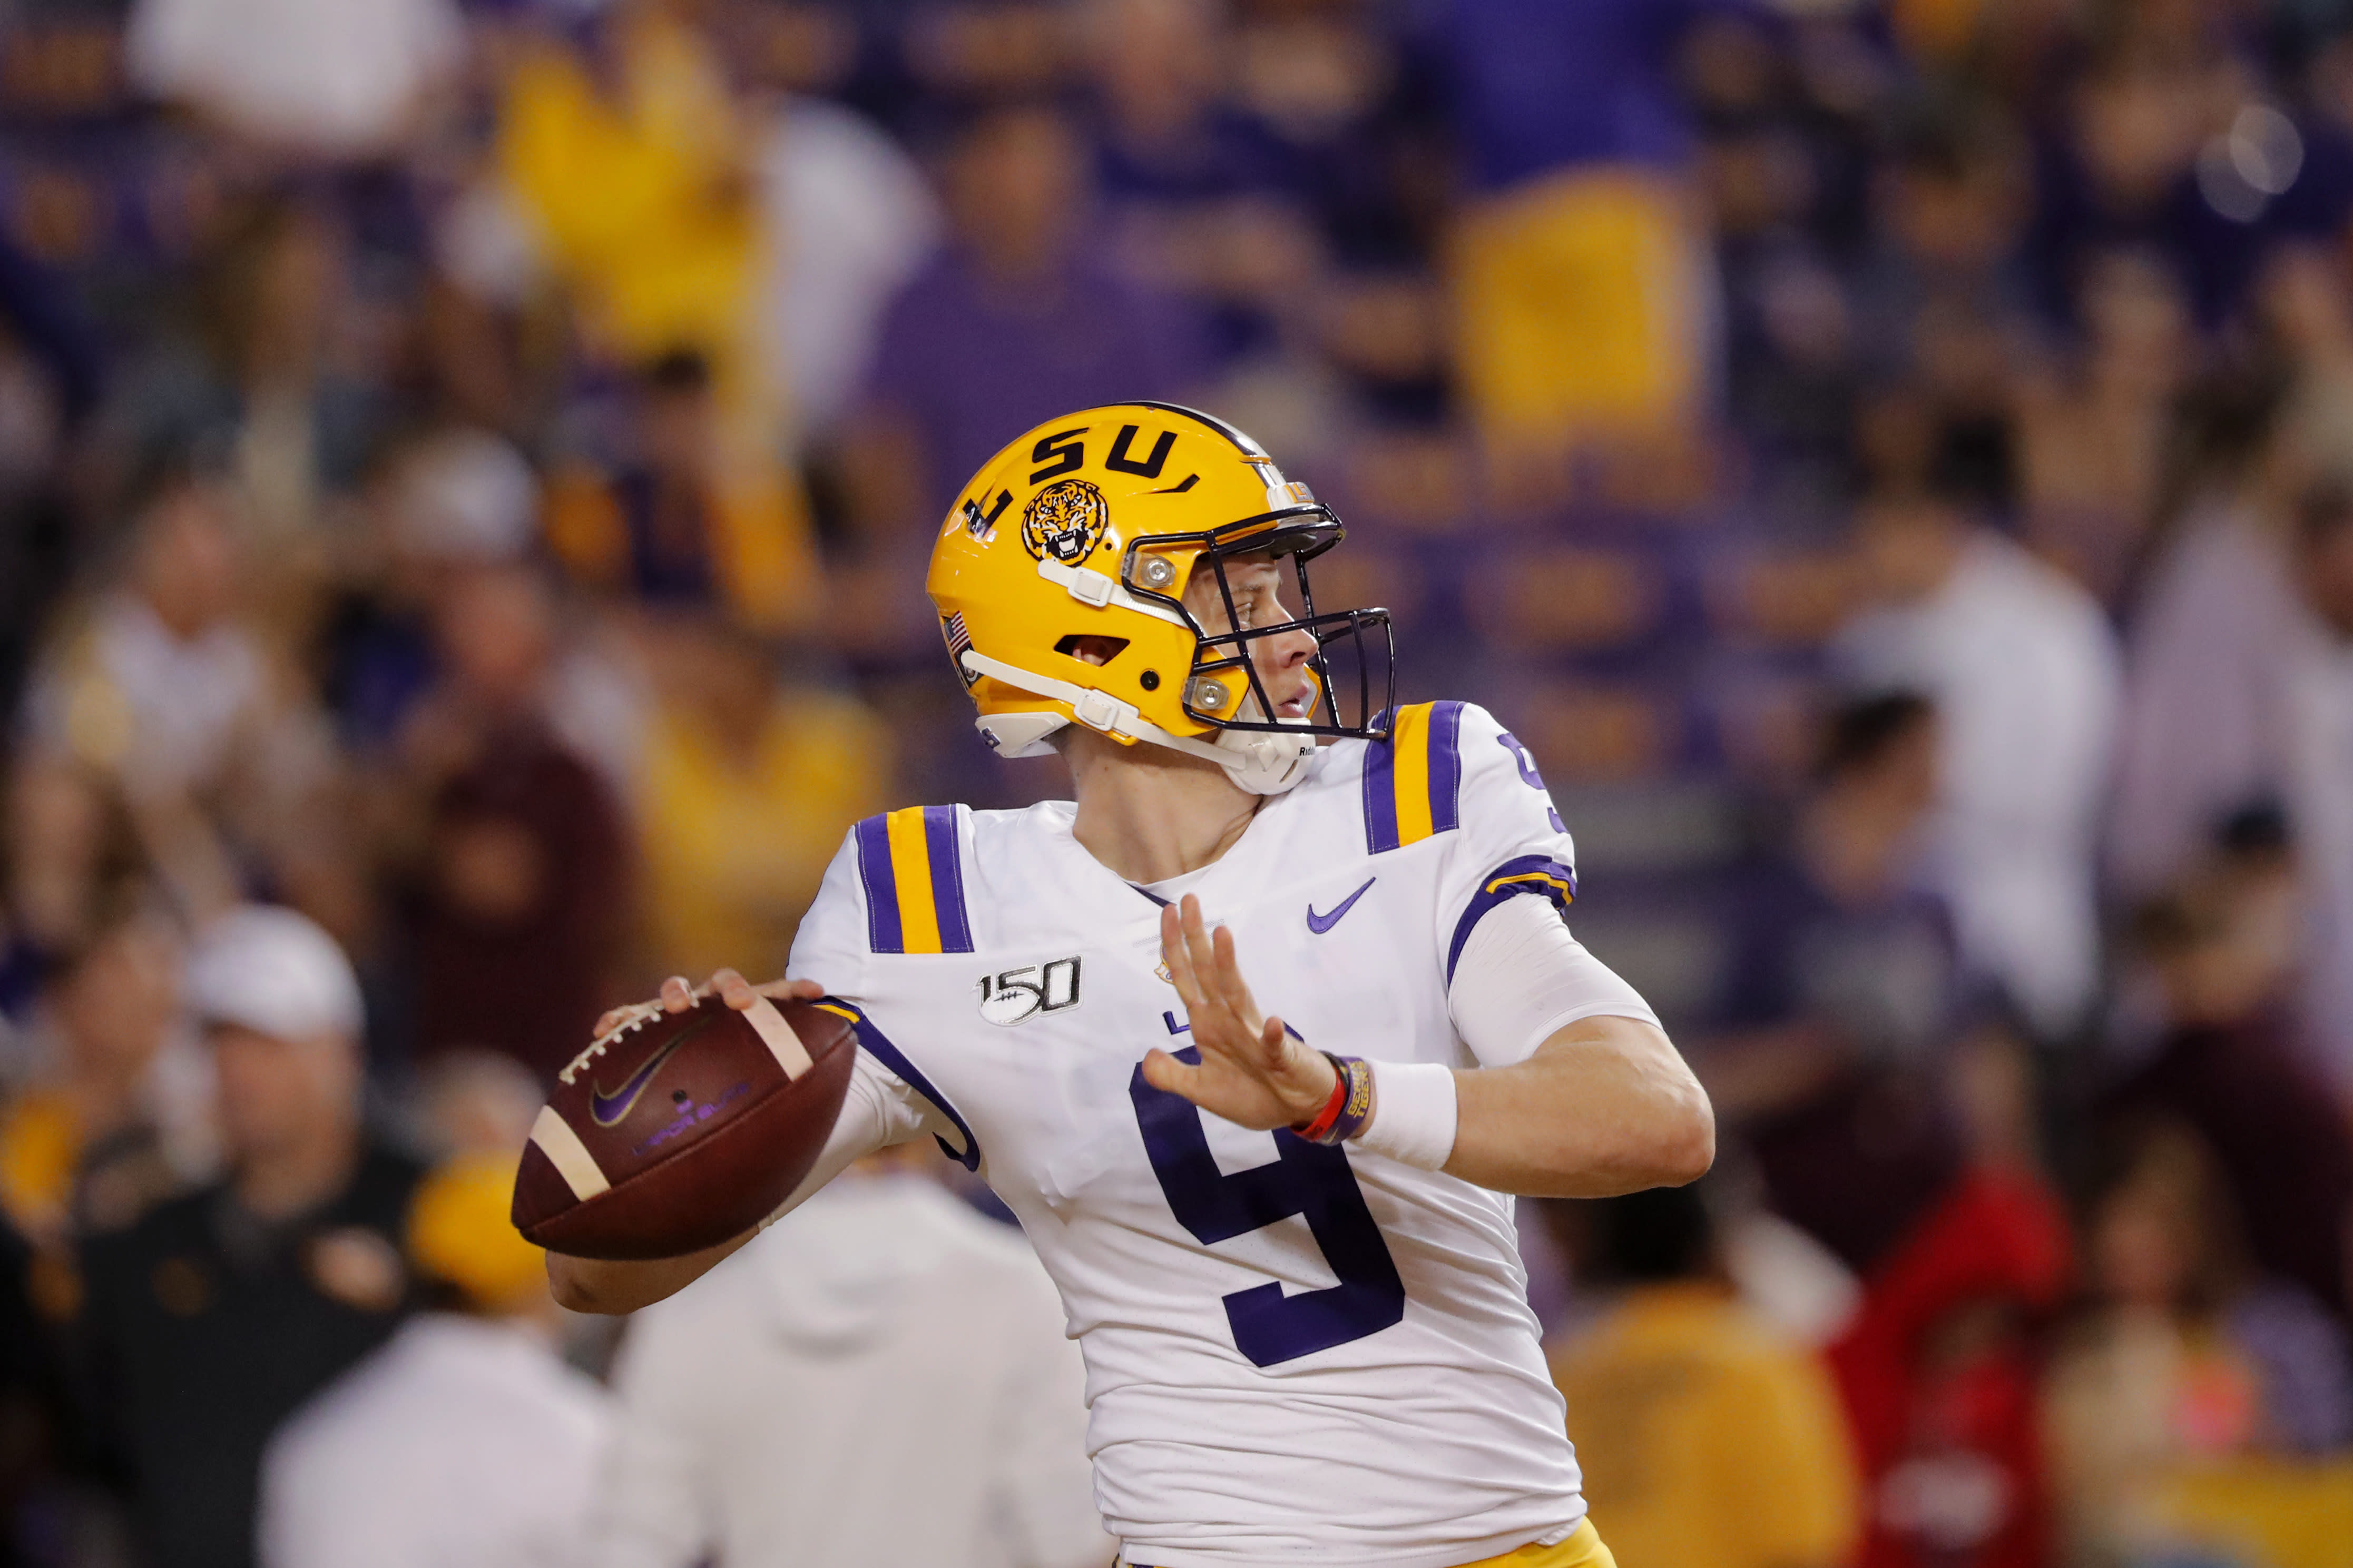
{"points": [[1293, 1352]]}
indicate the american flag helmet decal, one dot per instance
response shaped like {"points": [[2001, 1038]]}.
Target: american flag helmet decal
{"points": [[959, 643]]}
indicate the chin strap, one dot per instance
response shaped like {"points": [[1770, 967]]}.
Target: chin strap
{"points": [[1260, 761]]}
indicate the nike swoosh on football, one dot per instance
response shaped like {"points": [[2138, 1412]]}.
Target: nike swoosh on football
{"points": [[1319, 925], [608, 1109]]}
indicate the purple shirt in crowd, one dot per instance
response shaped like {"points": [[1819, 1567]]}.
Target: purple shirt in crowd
{"points": [[973, 363]]}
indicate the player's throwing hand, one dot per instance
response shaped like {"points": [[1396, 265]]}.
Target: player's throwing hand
{"points": [[1252, 1071], [738, 993]]}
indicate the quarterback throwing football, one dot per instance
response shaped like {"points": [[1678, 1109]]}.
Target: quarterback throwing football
{"points": [[1254, 1034]]}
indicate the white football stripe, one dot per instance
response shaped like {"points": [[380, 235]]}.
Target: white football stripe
{"points": [[783, 1044], [568, 1154]]}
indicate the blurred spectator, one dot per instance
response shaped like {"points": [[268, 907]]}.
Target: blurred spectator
{"points": [[1015, 319], [2174, 1364], [49, 365], [747, 788], [106, 1115], [684, 524], [271, 366], [1703, 1436], [205, 1322], [2093, 433], [50, 325], [453, 502], [2023, 671], [461, 496], [2129, 166], [176, 608], [155, 734], [477, 1103], [466, 1442], [2242, 691], [2216, 625], [880, 1378], [1942, 314], [2319, 774], [2223, 951], [969, 53], [26, 1385], [1578, 269], [850, 219], [319, 78], [1937, 1370], [1793, 1285], [1196, 195], [456, 499], [626, 152], [515, 856], [1953, 195], [1845, 995]]}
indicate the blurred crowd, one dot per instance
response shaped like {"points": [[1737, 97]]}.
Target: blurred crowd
{"points": [[466, 468]]}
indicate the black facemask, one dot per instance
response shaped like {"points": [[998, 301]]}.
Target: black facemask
{"points": [[1361, 638]]}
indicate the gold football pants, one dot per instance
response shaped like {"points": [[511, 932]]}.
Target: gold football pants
{"points": [[1583, 1549]]}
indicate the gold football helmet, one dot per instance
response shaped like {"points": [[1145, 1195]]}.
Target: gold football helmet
{"points": [[1093, 526]]}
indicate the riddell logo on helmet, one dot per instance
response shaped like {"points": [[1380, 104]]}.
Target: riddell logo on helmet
{"points": [[1065, 521]]}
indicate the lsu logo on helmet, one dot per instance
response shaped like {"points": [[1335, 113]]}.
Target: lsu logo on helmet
{"points": [[1066, 521]]}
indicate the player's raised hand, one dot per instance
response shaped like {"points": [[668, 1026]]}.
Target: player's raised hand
{"points": [[738, 993], [1252, 1070]]}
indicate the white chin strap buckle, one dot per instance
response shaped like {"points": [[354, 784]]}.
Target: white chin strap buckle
{"points": [[1265, 763], [1097, 710]]}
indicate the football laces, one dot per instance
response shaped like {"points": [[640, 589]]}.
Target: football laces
{"points": [[635, 1017]]}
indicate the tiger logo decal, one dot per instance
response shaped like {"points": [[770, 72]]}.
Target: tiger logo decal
{"points": [[1065, 521]]}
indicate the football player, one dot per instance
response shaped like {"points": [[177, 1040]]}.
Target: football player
{"points": [[1255, 1035]]}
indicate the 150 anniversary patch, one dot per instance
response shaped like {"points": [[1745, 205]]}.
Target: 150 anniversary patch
{"points": [[1021, 994]]}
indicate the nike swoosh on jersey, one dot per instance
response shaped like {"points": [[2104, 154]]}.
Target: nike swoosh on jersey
{"points": [[1319, 925], [608, 1109]]}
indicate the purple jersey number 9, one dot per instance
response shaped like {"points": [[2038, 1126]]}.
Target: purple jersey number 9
{"points": [[1311, 1180]]}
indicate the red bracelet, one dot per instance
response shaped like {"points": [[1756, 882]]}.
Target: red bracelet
{"points": [[1316, 1126], [1351, 1105]]}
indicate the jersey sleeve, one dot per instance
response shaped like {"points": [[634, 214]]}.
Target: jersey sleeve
{"points": [[881, 1110], [891, 1101], [831, 946], [1509, 842], [1522, 977]]}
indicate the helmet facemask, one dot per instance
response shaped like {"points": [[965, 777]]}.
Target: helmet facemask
{"points": [[1224, 688]]}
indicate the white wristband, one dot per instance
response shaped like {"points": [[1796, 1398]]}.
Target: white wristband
{"points": [[1413, 1114]]}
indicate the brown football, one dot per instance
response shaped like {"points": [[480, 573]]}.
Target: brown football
{"points": [[679, 1131]]}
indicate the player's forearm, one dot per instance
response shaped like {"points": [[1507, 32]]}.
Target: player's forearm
{"points": [[1604, 1107], [612, 1287]]}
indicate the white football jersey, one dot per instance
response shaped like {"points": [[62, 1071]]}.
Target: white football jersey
{"points": [[1294, 1352]]}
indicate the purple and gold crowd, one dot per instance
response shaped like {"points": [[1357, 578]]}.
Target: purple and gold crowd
{"points": [[466, 469]]}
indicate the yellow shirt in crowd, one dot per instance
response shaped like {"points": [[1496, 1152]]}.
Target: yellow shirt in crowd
{"points": [[733, 853], [40, 1147], [1706, 1439], [641, 196], [763, 551]]}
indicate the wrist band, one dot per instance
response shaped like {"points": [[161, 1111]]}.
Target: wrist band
{"points": [[1351, 1105], [1418, 1113]]}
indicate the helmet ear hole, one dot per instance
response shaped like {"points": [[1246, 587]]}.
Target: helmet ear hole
{"points": [[1091, 649]]}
